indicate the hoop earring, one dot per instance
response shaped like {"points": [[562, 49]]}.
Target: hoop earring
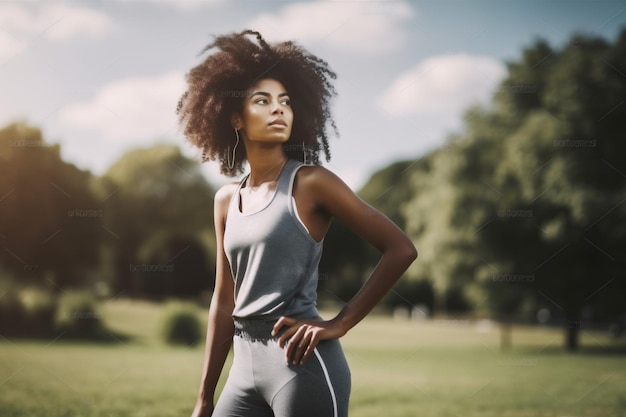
{"points": [[231, 161]]}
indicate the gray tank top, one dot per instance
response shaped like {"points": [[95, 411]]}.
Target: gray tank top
{"points": [[273, 258]]}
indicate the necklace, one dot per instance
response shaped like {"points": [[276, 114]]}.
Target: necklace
{"points": [[253, 188]]}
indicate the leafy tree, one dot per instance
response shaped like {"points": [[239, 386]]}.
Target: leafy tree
{"points": [[388, 189], [49, 219], [351, 259], [158, 215], [527, 204]]}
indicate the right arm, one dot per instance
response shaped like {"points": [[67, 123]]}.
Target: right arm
{"points": [[220, 326]]}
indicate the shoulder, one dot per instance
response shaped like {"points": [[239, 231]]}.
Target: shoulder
{"points": [[316, 176], [222, 199], [322, 185], [225, 193]]}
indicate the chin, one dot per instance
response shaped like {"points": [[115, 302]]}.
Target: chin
{"points": [[270, 141], [279, 139]]}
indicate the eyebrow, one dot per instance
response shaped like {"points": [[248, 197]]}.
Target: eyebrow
{"points": [[263, 93]]}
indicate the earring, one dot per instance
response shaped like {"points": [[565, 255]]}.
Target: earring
{"points": [[231, 162]]}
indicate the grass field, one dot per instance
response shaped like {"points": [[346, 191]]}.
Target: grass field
{"points": [[442, 368]]}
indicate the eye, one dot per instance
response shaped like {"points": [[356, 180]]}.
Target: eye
{"points": [[285, 102], [261, 101]]}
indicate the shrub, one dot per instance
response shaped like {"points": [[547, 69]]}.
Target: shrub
{"points": [[41, 309], [78, 317], [181, 325], [13, 317]]}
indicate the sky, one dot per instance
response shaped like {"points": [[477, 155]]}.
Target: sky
{"points": [[103, 77]]}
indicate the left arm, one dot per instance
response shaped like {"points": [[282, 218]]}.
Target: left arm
{"points": [[397, 252]]}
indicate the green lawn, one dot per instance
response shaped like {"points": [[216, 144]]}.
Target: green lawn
{"points": [[442, 368]]}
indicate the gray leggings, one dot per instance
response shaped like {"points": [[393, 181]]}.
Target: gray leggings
{"points": [[262, 384]]}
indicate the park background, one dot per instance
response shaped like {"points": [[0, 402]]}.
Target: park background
{"points": [[491, 132]]}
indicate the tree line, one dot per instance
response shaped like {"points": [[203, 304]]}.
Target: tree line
{"points": [[519, 216], [524, 211]]}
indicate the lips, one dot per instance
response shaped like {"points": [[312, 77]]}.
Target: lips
{"points": [[279, 122]]}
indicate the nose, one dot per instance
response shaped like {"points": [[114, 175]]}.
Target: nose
{"points": [[276, 108]]}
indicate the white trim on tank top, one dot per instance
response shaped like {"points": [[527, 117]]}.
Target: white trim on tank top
{"points": [[295, 210]]}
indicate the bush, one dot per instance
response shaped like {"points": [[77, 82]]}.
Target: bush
{"points": [[78, 316], [181, 325], [13, 316], [41, 309]]}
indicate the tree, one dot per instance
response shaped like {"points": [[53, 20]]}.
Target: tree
{"points": [[158, 215], [49, 219], [527, 203], [388, 190]]}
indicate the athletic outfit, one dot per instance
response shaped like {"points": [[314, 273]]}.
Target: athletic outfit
{"points": [[274, 261]]}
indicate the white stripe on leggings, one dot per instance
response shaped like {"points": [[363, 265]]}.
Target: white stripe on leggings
{"points": [[330, 385]]}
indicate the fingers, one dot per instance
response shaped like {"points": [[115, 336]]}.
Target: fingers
{"points": [[295, 345], [299, 339], [283, 321], [287, 334], [309, 348], [302, 344]]}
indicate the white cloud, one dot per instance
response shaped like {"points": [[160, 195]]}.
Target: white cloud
{"points": [[362, 26], [184, 5], [445, 84], [9, 45], [134, 110], [22, 24]]}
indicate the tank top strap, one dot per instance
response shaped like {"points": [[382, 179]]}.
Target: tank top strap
{"points": [[286, 178], [283, 188], [234, 199]]}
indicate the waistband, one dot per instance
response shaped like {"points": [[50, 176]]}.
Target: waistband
{"points": [[260, 329], [255, 329]]}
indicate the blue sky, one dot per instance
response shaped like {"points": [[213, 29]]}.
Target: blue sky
{"points": [[101, 77]]}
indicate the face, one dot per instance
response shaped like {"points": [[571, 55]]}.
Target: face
{"points": [[267, 115]]}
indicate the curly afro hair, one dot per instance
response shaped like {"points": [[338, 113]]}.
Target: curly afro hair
{"points": [[216, 89]]}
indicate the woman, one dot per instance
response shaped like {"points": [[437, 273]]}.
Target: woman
{"points": [[269, 105]]}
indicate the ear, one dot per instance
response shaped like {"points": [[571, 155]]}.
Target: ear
{"points": [[236, 121]]}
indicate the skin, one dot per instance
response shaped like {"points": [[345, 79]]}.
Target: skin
{"points": [[320, 196]]}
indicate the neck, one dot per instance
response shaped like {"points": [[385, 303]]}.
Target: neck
{"points": [[265, 160]]}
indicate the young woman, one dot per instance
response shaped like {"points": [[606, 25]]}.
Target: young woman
{"points": [[269, 105]]}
